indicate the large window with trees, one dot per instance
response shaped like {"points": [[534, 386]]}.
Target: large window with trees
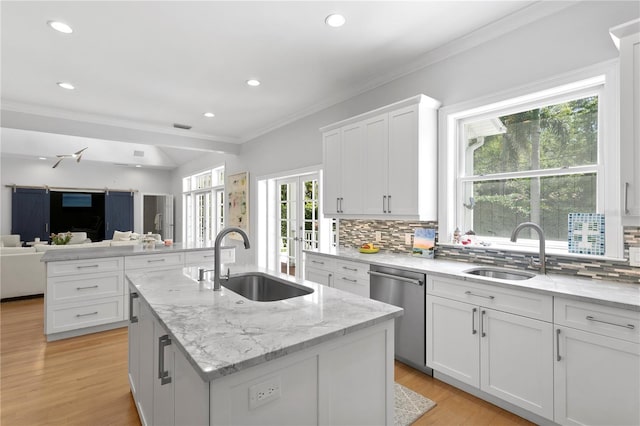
{"points": [[203, 206]]}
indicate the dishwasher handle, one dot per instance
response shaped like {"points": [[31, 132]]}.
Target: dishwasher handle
{"points": [[396, 277]]}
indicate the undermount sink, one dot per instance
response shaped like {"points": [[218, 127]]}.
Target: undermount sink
{"points": [[264, 288], [501, 274]]}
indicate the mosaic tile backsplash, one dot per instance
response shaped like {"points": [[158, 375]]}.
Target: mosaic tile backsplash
{"points": [[353, 232]]}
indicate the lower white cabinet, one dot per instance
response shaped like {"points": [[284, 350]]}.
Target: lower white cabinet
{"points": [[597, 364], [341, 274], [501, 353], [169, 391]]}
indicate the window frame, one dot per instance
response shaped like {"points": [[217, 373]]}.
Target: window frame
{"points": [[190, 211], [600, 80]]}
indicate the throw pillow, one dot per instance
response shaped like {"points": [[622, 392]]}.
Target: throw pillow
{"points": [[121, 236]]}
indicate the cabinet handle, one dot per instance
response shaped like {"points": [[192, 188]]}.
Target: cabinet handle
{"points": [[131, 297], [86, 315], [350, 280], [388, 203], [482, 323], [626, 198], [209, 256], [318, 262], [338, 205], [87, 266], [46, 228], [163, 375], [350, 269], [156, 260], [629, 326], [473, 321], [384, 204], [341, 200], [89, 286], [478, 295], [558, 357]]}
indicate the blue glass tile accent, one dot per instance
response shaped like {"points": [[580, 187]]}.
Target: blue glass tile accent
{"points": [[586, 233]]}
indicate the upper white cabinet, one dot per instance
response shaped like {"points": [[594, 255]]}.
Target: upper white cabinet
{"points": [[627, 39], [383, 163]]}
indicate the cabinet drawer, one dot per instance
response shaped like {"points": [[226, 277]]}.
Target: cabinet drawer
{"points": [[319, 276], [600, 319], [353, 269], [320, 262], [200, 258], [355, 285], [84, 287], [154, 261], [73, 316], [519, 302], [89, 266]]}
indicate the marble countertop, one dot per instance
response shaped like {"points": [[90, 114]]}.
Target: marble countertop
{"points": [[612, 293], [222, 332], [116, 251]]}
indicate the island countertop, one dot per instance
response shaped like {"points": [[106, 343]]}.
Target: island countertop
{"points": [[70, 253], [222, 332]]}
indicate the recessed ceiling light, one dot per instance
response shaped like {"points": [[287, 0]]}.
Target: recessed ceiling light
{"points": [[42, 158], [138, 165], [65, 85], [335, 20], [253, 83], [209, 114], [60, 26]]}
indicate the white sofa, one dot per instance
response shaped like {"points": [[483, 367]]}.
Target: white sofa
{"points": [[12, 240]]}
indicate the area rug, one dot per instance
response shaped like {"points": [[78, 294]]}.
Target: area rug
{"points": [[410, 405]]}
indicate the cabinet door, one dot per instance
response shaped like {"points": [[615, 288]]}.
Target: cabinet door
{"points": [[352, 169], [403, 162], [144, 392], [332, 175], [376, 135], [516, 360], [355, 285], [134, 343], [597, 379], [318, 276], [191, 404], [452, 339], [163, 388]]}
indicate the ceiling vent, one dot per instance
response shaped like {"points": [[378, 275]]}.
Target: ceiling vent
{"points": [[138, 153], [181, 126]]}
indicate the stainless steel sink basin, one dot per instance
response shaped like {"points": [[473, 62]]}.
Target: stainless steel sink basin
{"points": [[264, 288], [501, 274]]}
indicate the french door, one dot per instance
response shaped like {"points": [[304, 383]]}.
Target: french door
{"points": [[298, 220]]}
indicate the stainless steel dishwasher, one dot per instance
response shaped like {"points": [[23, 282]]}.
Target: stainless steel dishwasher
{"points": [[405, 289]]}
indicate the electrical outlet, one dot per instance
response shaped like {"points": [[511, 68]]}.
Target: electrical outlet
{"points": [[408, 239], [262, 393], [378, 236]]}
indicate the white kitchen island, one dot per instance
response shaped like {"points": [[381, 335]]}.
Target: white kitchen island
{"points": [[202, 357]]}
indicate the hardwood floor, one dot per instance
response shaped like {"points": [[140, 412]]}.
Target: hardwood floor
{"points": [[83, 380]]}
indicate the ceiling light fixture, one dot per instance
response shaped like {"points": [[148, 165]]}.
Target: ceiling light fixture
{"points": [[209, 114], [60, 26], [138, 165], [335, 20], [65, 85], [42, 158], [253, 83]]}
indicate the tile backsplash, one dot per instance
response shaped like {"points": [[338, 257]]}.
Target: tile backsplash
{"points": [[354, 232]]}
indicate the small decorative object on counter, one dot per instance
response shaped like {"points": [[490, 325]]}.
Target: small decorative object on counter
{"points": [[424, 242], [61, 239], [168, 241], [456, 236], [368, 248]]}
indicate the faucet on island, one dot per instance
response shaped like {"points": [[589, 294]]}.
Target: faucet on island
{"points": [[541, 265], [217, 262]]}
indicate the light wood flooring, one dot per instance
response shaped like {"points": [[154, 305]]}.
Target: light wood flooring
{"points": [[83, 380]]}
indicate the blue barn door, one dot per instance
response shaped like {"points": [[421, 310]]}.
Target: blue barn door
{"points": [[30, 213], [118, 208]]}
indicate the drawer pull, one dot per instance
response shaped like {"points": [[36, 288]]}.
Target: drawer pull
{"points": [[132, 317], [87, 266], [208, 256], [84, 288], [478, 295], [156, 260], [558, 357], [163, 374], [629, 326], [350, 280], [86, 315], [473, 321], [350, 269], [318, 262]]}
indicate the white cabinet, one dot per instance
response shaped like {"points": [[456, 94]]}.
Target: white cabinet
{"points": [[200, 258], [169, 390], [477, 334], [341, 274], [597, 368], [383, 163], [627, 39], [134, 341], [155, 261]]}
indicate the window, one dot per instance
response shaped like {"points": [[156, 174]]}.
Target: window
{"points": [[534, 154], [203, 206]]}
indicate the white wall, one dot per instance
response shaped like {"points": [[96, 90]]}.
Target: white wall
{"points": [[574, 38], [81, 175]]}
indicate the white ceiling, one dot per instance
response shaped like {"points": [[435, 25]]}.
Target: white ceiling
{"points": [[139, 67]]}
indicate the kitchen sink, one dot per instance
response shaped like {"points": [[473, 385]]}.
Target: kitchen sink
{"points": [[264, 288], [501, 274]]}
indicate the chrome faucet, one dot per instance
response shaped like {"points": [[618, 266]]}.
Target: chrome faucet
{"points": [[541, 265], [216, 248]]}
